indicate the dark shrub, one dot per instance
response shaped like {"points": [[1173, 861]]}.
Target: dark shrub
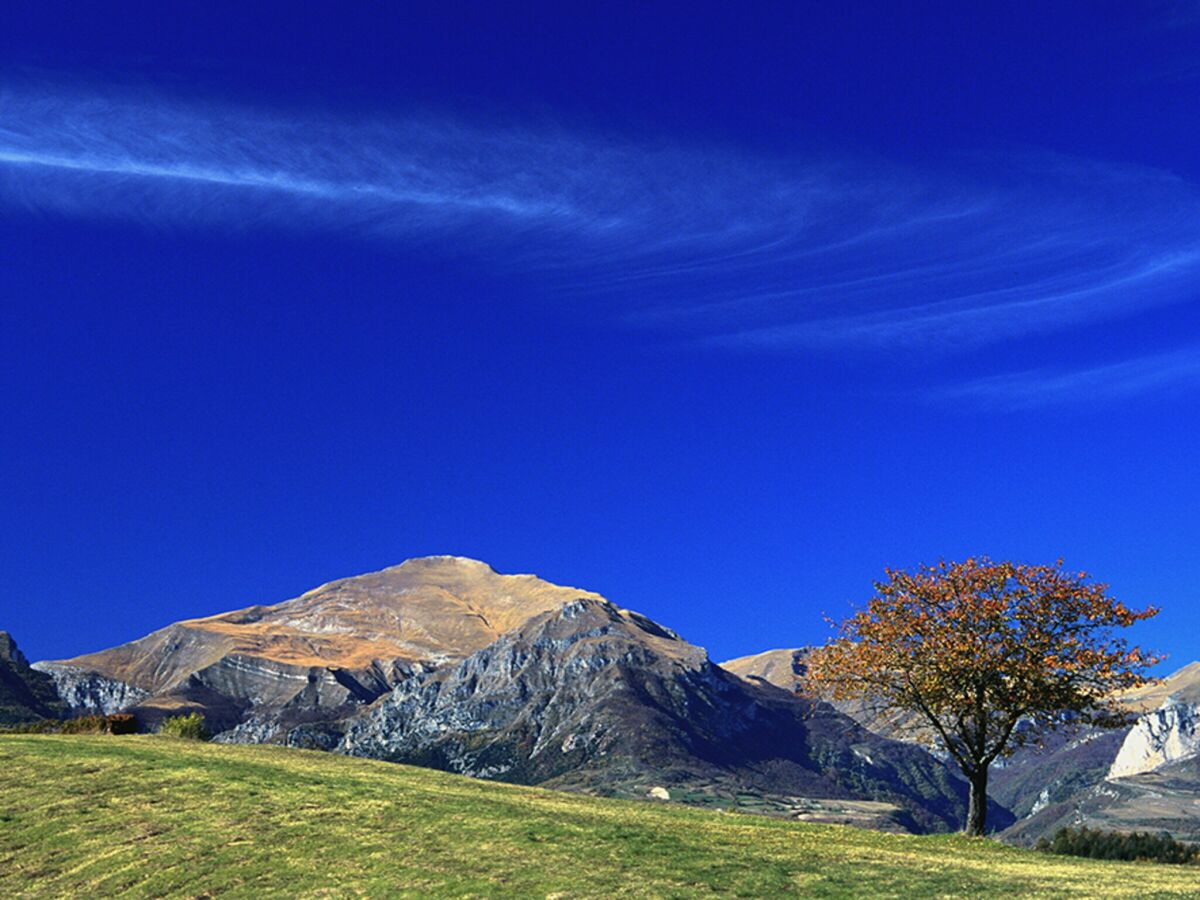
{"points": [[42, 726], [191, 726], [122, 723], [117, 723], [1096, 844]]}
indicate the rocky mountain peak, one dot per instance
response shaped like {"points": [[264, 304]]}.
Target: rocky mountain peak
{"points": [[443, 661], [444, 562], [10, 652]]}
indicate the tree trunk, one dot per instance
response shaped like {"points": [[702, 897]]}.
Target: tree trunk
{"points": [[977, 803]]}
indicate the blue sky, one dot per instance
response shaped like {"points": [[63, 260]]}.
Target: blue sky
{"points": [[718, 311]]}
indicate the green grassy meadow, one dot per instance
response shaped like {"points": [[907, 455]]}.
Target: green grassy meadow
{"points": [[153, 816]]}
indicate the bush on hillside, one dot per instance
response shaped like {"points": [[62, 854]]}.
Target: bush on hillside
{"points": [[85, 725], [191, 726], [122, 723], [41, 726], [1137, 845], [117, 723]]}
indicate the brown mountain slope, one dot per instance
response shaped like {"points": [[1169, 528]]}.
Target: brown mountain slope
{"points": [[781, 668], [1183, 685], [784, 668], [428, 609]]}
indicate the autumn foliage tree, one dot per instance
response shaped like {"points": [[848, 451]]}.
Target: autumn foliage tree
{"points": [[985, 654]]}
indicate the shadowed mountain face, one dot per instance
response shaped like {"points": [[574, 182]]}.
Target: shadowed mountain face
{"points": [[25, 694], [443, 662], [785, 669]]}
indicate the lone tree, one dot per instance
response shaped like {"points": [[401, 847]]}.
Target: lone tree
{"points": [[973, 648]]}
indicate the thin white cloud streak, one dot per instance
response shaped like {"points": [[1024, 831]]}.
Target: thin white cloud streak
{"points": [[160, 162], [274, 181], [1156, 373], [712, 246], [991, 315]]}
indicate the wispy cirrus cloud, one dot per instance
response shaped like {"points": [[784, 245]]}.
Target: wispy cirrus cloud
{"points": [[713, 246], [154, 160], [1154, 373]]}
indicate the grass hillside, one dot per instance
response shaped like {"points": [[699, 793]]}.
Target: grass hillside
{"points": [[153, 816]]}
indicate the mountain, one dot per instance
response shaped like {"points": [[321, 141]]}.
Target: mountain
{"points": [[318, 656], [25, 694], [784, 668], [443, 662], [1145, 777], [1167, 799]]}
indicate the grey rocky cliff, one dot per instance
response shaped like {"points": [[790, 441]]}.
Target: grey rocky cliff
{"points": [[252, 700], [90, 692], [10, 653], [527, 705]]}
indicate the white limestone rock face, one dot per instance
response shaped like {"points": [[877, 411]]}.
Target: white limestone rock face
{"points": [[1166, 735], [87, 692]]}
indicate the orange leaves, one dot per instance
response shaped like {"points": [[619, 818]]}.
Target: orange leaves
{"points": [[975, 645]]}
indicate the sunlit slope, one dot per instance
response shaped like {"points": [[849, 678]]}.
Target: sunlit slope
{"points": [[430, 608], [150, 816]]}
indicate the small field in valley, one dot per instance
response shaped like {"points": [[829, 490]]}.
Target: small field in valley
{"points": [[152, 816]]}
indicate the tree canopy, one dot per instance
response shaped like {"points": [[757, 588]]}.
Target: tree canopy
{"points": [[975, 648]]}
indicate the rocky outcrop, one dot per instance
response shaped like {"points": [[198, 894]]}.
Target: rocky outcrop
{"points": [[26, 695], [258, 700], [1167, 735], [89, 692], [1140, 778]]}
